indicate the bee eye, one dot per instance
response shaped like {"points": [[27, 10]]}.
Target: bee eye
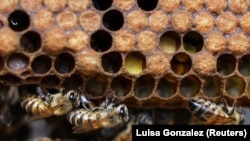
{"points": [[122, 112], [72, 96]]}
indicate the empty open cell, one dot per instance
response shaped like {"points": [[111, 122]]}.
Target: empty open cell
{"points": [[74, 82], [135, 62], [10, 78], [102, 4], [96, 86], [147, 5], [113, 20], [181, 63], [101, 41], [19, 20], [121, 86], [244, 65], [226, 64], [193, 42], [30, 41], [212, 86], [64, 63], [41, 64], [190, 86], [50, 81], [144, 86], [167, 86], [170, 41], [17, 61], [112, 62], [235, 86]]}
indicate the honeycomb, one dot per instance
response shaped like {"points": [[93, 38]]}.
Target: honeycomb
{"points": [[155, 53]]}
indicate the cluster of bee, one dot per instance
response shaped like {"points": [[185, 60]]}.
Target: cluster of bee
{"points": [[85, 117]]}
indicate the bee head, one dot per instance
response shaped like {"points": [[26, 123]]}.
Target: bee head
{"points": [[123, 112]]}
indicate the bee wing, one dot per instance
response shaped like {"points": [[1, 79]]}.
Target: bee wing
{"points": [[44, 114], [91, 126]]}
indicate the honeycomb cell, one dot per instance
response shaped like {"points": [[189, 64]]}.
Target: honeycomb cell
{"points": [[144, 86], [50, 81], [101, 41], [181, 21], [181, 63], [169, 5], [167, 86], [216, 6], [112, 62], [158, 21], [41, 64], [244, 22], [7, 6], [248, 88], [31, 41], [212, 86], [43, 19], [101, 4], [113, 20], [19, 20], [55, 6], [226, 64], [121, 86], [64, 63], [190, 86], [78, 5], [193, 42], [136, 20], [74, 82], [147, 5], [204, 22], [238, 6], [235, 86], [192, 6], [244, 66], [90, 20], [226, 22], [124, 41], [10, 79], [238, 43], [135, 62], [31, 5], [215, 43], [204, 63], [54, 40], [17, 61], [87, 62], [146, 40], [77, 40], [124, 5], [96, 86], [9, 41], [170, 41], [157, 63], [67, 20]]}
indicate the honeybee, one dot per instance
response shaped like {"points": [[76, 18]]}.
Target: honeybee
{"points": [[46, 104], [107, 115], [143, 118], [212, 114]]}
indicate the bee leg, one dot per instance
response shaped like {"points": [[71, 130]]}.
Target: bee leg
{"points": [[85, 103], [42, 94], [228, 110]]}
